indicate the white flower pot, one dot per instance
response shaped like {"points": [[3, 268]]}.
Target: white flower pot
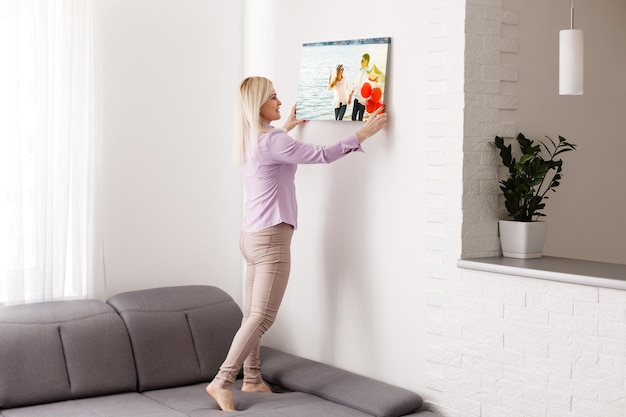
{"points": [[522, 240]]}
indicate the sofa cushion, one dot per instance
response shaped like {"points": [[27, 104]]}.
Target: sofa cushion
{"points": [[119, 405], [33, 368], [180, 335], [193, 401], [62, 350]]}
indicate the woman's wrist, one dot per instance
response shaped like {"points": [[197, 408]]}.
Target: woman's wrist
{"points": [[361, 135]]}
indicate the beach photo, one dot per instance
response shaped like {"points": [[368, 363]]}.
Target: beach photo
{"points": [[342, 80]]}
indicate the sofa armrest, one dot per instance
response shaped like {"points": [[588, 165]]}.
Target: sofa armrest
{"points": [[362, 393]]}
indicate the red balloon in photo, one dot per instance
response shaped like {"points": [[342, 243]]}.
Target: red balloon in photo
{"points": [[377, 93], [371, 106], [366, 90]]}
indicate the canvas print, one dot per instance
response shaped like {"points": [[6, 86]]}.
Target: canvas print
{"points": [[342, 80]]}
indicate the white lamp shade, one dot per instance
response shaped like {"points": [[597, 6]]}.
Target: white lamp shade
{"points": [[571, 62]]}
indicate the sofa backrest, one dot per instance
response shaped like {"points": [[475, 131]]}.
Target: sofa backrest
{"points": [[179, 335], [62, 350]]}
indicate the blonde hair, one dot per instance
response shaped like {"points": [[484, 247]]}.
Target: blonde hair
{"points": [[253, 92]]}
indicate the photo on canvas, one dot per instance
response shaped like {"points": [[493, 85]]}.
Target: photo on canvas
{"points": [[342, 80]]}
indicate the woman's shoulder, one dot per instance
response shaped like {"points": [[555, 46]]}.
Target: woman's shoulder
{"points": [[273, 133], [275, 138]]}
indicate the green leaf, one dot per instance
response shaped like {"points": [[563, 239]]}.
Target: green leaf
{"points": [[537, 172]]}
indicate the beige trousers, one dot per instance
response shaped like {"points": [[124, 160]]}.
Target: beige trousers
{"points": [[268, 259]]}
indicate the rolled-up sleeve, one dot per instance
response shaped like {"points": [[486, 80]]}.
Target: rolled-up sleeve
{"points": [[282, 148]]}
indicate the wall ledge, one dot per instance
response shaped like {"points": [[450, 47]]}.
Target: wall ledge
{"points": [[576, 271]]}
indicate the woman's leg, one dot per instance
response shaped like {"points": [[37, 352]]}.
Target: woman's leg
{"points": [[355, 109], [342, 111], [361, 111], [268, 251], [252, 379]]}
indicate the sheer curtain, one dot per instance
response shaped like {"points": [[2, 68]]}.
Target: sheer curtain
{"points": [[50, 153]]}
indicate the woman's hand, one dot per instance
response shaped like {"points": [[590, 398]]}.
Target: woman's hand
{"points": [[292, 121], [374, 123]]}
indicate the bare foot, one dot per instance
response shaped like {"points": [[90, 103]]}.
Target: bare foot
{"points": [[260, 387], [222, 396]]}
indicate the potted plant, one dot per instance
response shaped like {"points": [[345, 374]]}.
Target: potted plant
{"points": [[536, 173]]}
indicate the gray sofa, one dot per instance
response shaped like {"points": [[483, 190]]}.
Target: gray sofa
{"points": [[152, 352]]}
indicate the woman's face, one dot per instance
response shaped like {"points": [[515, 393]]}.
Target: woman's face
{"points": [[270, 110]]}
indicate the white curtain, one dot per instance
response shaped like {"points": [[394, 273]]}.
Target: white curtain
{"points": [[50, 153]]}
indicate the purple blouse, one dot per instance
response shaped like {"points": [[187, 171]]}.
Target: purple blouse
{"points": [[269, 179]]}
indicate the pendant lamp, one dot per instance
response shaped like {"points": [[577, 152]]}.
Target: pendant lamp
{"points": [[571, 60]]}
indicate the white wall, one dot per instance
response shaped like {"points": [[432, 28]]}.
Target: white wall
{"points": [[172, 202], [355, 296]]}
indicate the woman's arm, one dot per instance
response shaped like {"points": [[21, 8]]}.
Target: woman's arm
{"points": [[331, 80]]}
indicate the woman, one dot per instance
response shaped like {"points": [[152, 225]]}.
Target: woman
{"points": [[268, 158], [341, 87]]}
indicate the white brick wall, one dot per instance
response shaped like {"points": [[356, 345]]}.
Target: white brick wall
{"points": [[444, 143], [484, 102], [499, 345], [511, 346]]}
